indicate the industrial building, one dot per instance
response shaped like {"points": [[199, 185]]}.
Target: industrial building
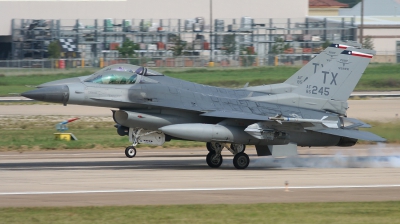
{"points": [[93, 30]]}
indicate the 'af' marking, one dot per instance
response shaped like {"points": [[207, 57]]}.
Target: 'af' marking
{"points": [[333, 77]]}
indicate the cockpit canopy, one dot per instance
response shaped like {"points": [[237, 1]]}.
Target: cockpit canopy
{"points": [[120, 74], [113, 77]]}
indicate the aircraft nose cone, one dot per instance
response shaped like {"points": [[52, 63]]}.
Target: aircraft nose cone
{"points": [[53, 94]]}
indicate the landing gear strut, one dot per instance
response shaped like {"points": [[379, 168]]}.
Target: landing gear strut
{"points": [[130, 151]]}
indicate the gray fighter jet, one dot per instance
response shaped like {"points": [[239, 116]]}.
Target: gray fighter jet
{"points": [[307, 110]]}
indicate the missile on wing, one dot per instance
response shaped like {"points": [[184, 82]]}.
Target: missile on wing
{"points": [[324, 121], [214, 133]]}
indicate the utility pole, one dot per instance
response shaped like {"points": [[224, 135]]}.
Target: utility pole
{"points": [[211, 63], [362, 23]]}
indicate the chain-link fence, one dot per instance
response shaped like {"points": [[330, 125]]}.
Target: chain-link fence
{"points": [[218, 61]]}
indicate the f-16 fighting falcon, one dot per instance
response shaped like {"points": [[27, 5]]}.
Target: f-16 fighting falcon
{"points": [[309, 109]]}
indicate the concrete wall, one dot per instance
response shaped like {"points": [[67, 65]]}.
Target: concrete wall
{"points": [[323, 12], [147, 9], [384, 39]]}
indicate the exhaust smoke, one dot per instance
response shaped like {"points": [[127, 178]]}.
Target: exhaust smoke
{"points": [[377, 156]]}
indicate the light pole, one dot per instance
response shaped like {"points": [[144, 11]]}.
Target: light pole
{"points": [[362, 23], [211, 63]]}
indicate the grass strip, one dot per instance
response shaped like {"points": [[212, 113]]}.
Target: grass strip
{"points": [[348, 212]]}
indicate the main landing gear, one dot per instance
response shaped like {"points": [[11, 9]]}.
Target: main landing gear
{"points": [[214, 158]]}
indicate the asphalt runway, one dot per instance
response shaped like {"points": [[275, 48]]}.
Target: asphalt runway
{"points": [[181, 176]]}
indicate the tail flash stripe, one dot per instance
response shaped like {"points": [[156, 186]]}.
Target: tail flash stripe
{"points": [[343, 46], [355, 53], [358, 54]]}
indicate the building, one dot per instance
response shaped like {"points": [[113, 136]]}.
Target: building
{"points": [[96, 27], [382, 24], [374, 8], [86, 11], [325, 7]]}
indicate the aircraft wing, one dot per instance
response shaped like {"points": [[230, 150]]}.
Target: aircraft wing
{"points": [[352, 133], [300, 126]]}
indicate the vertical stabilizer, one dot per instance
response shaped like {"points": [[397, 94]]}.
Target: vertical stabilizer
{"points": [[326, 56], [337, 80]]}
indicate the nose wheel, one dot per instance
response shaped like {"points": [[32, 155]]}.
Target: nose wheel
{"points": [[130, 151]]}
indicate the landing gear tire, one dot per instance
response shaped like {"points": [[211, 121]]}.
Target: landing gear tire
{"points": [[214, 160], [209, 147], [241, 161], [238, 147], [130, 151]]}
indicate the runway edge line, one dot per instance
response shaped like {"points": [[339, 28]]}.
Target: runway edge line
{"points": [[196, 189]]}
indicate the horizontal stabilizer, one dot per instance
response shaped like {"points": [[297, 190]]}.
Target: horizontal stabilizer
{"points": [[355, 134]]}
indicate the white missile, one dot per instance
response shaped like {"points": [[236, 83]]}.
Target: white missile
{"points": [[323, 121]]}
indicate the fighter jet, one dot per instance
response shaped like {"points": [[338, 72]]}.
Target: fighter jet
{"points": [[154, 108]]}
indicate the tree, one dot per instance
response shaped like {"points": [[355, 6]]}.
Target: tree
{"points": [[127, 48], [368, 43], [54, 49], [326, 44], [229, 44], [248, 56], [279, 46], [179, 46]]}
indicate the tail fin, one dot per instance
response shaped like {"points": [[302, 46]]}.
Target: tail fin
{"points": [[326, 56], [337, 80]]}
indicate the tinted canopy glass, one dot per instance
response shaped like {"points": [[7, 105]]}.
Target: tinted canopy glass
{"points": [[113, 77]]}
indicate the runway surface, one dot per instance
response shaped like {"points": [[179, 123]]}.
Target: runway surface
{"points": [[181, 176]]}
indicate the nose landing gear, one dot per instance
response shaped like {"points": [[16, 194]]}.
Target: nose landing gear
{"points": [[130, 151]]}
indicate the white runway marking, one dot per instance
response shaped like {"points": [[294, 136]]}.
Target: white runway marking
{"points": [[89, 153], [68, 154], [196, 189]]}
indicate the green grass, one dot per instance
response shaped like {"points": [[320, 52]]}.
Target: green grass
{"points": [[376, 77], [389, 130], [349, 212], [37, 132]]}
